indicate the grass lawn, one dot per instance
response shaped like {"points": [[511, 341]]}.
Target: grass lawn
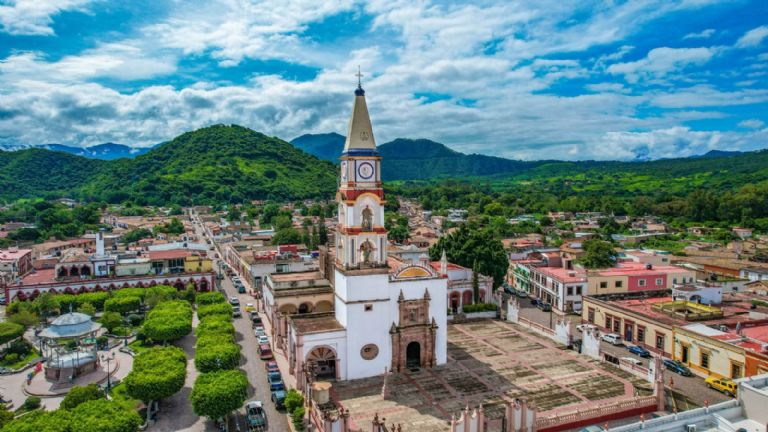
{"points": [[21, 362]]}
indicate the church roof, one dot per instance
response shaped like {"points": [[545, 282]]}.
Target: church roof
{"points": [[360, 132]]}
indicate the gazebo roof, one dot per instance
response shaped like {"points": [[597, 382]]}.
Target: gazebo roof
{"points": [[69, 325]]}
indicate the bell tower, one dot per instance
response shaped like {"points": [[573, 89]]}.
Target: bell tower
{"points": [[361, 239]]}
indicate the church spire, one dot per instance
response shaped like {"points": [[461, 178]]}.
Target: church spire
{"points": [[360, 139]]}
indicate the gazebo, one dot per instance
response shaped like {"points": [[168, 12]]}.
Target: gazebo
{"points": [[65, 364]]}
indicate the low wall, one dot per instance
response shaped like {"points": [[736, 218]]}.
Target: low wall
{"points": [[623, 409]]}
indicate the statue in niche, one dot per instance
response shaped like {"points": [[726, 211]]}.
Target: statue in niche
{"points": [[367, 219], [366, 250]]}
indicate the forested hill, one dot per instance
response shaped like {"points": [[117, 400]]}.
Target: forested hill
{"points": [[216, 164], [416, 159]]}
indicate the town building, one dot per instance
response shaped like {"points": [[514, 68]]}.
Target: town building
{"points": [[387, 314], [637, 276], [754, 273], [561, 287], [15, 263]]}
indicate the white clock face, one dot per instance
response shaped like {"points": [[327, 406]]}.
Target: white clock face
{"points": [[365, 170], [344, 170]]}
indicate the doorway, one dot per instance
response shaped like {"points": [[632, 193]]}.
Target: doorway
{"points": [[684, 356], [413, 355]]}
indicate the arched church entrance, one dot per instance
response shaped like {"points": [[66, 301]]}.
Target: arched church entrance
{"points": [[324, 359], [413, 355]]}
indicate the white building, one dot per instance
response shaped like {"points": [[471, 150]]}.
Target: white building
{"points": [[387, 314]]}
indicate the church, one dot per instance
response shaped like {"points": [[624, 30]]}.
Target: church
{"points": [[364, 311]]}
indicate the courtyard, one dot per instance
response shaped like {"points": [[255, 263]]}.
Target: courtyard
{"points": [[489, 362]]}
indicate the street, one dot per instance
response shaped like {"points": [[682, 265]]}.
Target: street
{"points": [[692, 387], [250, 363]]}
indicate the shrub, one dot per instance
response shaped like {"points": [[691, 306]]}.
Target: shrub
{"points": [[293, 400], [158, 294], [298, 418], [130, 292], [479, 307], [158, 373], [168, 321], [207, 298], [104, 416], [111, 320], [87, 309], [11, 358], [211, 356], [97, 299], [102, 342], [223, 309], [31, 403], [215, 324], [122, 305], [135, 319], [10, 331], [42, 421], [216, 394], [19, 347], [24, 318], [79, 395]]}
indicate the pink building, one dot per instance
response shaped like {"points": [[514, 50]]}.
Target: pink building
{"points": [[636, 276], [15, 262]]}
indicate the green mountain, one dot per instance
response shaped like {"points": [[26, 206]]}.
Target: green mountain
{"points": [[324, 146], [415, 159], [214, 164]]}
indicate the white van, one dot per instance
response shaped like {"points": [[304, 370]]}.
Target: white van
{"points": [[612, 338]]}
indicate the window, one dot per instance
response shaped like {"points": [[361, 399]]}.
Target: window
{"points": [[704, 360], [674, 281], [282, 268], [659, 281], [640, 334], [591, 315], [603, 284], [735, 370], [608, 322], [368, 307], [616, 325], [618, 284], [660, 341], [570, 290], [641, 282], [578, 290]]}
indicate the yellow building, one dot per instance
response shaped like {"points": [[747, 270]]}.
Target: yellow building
{"points": [[710, 352], [197, 264]]}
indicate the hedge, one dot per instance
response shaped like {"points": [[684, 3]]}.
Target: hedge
{"points": [[216, 394], [10, 331], [168, 321], [157, 373], [80, 394], [215, 324], [97, 299], [41, 421], [479, 307], [130, 292], [215, 356], [223, 309], [104, 416], [212, 297], [122, 304]]}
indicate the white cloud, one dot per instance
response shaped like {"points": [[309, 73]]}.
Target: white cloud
{"points": [[704, 34], [34, 17], [753, 37], [662, 61], [707, 96], [751, 124]]}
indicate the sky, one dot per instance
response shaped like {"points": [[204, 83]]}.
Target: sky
{"points": [[545, 79]]}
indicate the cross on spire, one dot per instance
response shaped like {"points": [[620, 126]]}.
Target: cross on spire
{"points": [[359, 77]]}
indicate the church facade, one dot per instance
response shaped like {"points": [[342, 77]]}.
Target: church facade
{"points": [[388, 313]]}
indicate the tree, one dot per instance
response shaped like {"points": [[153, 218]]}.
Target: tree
{"points": [[157, 373], [133, 236], [211, 297], [41, 421], [79, 395], [322, 231], [45, 304], [216, 352], [223, 309], [25, 318], [599, 254], [122, 305], [10, 331], [5, 415], [104, 416], [475, 283], [286, 236], [169, 321], [216, 394], [111, 320], [465, 246], [87, 308], [399, 233]]}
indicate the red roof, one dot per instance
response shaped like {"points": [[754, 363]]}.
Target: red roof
{"points": [[451, 266], [169, 254], [39, 277]]}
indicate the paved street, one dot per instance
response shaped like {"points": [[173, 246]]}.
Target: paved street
{"points": [[251, 364], [692, 387]]}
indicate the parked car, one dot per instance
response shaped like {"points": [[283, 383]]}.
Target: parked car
{"points": [[535, 302], [723, 385], [241, 289], [544, 306], [265, 352], [271, 366], [259, 331], [275, 381], [249, 307], [582, 327], [278, 398], [612, 338], [263, 339], [508, 289], [236, 312], [521, 294], [255, 415], [639, 351], [677, 367], [234, 301]]}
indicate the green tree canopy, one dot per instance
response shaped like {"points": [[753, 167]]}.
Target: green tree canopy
{"points": [[168, 321], [122, 305], [111, 320], [286, 236], [216, 394], [157, 373], [41, 421], [599, 254], [465, 247], [223, 309], [212, 297], [81, 394], [10, 331], [104, 416]]}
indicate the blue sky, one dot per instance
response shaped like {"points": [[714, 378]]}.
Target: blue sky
{"points": [[520, 79]]}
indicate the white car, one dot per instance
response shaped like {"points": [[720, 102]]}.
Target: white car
{"points": [[612, 338], [259, 331], [632, 360], [582, 327], [263, 339]]}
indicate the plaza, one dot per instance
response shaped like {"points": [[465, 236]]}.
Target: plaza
{"points": [[489, 362]]}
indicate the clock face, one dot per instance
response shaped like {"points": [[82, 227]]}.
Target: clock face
{"points": [[344, 170], [365, 170]]}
